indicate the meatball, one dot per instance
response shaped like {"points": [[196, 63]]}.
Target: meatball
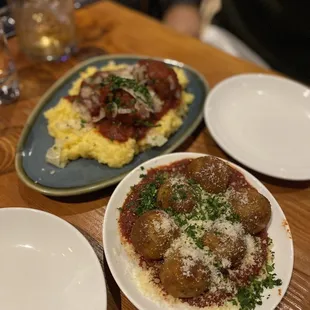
{"points": [[120, 106], [179, 196], [183, 277], [224, 246], [253, 208], [152, 234], [211, 173], [161, 78]]}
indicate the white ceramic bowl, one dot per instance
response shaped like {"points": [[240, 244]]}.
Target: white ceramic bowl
{"points": [[46, 264], [263, 121], [121, 265]]}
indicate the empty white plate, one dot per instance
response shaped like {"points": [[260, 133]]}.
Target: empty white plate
{"points": [[46, 264], [263, 121]]}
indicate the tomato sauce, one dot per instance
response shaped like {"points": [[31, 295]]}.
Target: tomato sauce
{"points": [[126, 127], [71, 98], [122, 128], [134, 121], [128, 217], [115, 130]]}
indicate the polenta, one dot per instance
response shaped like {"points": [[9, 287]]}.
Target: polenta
{"points": [[83, 129]]}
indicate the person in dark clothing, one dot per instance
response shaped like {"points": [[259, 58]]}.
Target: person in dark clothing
{"points": [[182, 15], [277, 30]]}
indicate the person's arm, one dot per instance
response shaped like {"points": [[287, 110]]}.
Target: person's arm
{"points": [[183, 16]]}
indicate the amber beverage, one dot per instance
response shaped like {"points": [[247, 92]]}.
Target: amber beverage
{"points": [[45, 28]]}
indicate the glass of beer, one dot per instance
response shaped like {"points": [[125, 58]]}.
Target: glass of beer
{"points": [[45, 28]]}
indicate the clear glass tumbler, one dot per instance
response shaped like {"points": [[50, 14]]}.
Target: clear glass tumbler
{"points": [[9, 90], [45, 28]]}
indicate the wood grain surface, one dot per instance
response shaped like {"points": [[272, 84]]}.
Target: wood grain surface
{"points": [[105, 27]]}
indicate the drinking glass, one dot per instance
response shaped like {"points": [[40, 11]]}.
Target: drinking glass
{"points": [[45, 28], [9, 90]]}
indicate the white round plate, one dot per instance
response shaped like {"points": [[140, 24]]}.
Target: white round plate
{"points": [[121, 265], [46, 264], [262, 121]]}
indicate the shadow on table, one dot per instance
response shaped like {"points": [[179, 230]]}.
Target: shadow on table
{"points": [[191, 139], [100, 194], [113, 291], [63, 206]]}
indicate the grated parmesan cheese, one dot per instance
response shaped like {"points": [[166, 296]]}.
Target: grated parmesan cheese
{"points": [[251, 249], [232, 230], [143, 278], [164, 224]]}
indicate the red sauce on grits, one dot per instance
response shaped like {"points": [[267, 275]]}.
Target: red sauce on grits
{"points": [[115, 130], [128, 217], [125, 108], [71, 98]]}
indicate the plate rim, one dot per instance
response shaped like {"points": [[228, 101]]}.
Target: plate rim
{"points": [[109, 254], [220, 142], [74, 191], [79, 235]]}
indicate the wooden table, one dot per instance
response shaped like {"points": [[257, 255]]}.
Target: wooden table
{"points": [[107, 27]]}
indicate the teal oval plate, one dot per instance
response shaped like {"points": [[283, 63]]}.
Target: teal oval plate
{"points": [[87, 175]]}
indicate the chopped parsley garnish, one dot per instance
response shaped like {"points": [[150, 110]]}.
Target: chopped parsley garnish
{"points": [[270, 281], [83, 122], [191, 231], [178, 192], [110, 106], [117, 82], [199, 243], [148, 197], [210, 206], [145, 123], [160, 178], [251, 296], [117, 100]]}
